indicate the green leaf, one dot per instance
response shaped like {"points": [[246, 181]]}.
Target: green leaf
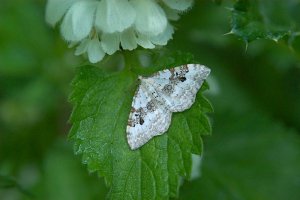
{"points": [[102, 103], [255, 158], [269, 19]]}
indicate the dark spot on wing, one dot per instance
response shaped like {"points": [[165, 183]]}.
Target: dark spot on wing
{"points": [[150, 106], [137, 118], [168, 89], [141, 121], [182, 79]]}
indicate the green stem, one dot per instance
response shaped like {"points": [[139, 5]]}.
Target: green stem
{"points": [[132, 61]]}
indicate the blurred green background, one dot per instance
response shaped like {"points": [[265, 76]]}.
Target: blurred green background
{"points": [[254, 152]]}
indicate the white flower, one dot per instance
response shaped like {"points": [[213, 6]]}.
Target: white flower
{"points": [[150, 18], [93, 49], [78, 21], [102, 27], [114, 15]]}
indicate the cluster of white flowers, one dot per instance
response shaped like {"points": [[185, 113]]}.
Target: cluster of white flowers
{"points": [[99, 27]]}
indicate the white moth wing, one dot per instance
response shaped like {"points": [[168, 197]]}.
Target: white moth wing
{"points": [[178, 86], [148, 117], [167, 91]]}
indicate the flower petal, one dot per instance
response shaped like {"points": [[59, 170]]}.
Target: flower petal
{"points": [[95, 51], [164, 37], [82, 47], [128, 39], [55, 10], [144, 41], [180, 5], [171, 13], [66, 28], [110, 42], [150, 17], [78, 21], [114, 15]]}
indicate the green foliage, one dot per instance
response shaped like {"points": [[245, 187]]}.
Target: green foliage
{"points": [[102, 102], [65, 177], [264, 157], [10, 182], [265, 19], [253, 158], [252, 154]]}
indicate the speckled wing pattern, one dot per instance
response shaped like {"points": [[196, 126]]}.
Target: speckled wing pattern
{"points": [[167, 91]]}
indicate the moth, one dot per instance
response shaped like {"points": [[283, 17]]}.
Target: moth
{"points": [[158, 96]]}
